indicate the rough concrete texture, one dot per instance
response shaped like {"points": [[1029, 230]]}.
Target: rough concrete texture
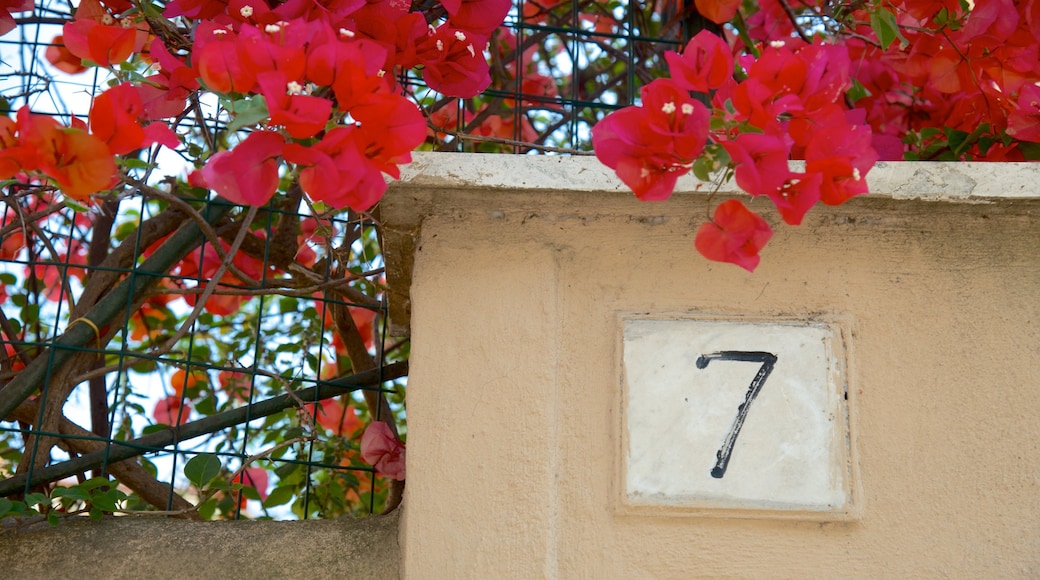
{"points": [[140, 547], [515, 406]]}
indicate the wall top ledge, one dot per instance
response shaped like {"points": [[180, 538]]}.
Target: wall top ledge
{"points": [[935, 181]]}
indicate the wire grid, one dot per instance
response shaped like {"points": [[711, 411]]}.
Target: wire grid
{"points": [[556, 67]]}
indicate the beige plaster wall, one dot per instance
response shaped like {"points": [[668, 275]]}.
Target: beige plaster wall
{"points": [[514, 398], [134, 548]]}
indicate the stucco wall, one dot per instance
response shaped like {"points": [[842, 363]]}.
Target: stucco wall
{"points": [[138, 547], [515, 407]]}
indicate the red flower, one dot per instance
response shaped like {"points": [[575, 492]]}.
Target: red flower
{"points": [[336, 172], [170, 411], [60, 58], [256, 478], [649, 147], [302, 116], [480, 16], [453, 62], [8, 7], [1024, 121], [80, 163], [760, 162], [98, 43], [380, 449], [843, 155], [796, 196], [114, 119], [391, 128], [221, 60], [163, 94], [718, 11], [704, 65], [735, 235], [247, 174]]}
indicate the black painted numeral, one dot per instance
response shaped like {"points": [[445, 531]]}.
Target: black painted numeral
{"points": [[767, 360]]}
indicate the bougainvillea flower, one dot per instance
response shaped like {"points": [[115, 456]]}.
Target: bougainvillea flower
{"points": [[333, 415], [704, 65], [760, 162], [797, 196], [718, 11], [171, 411], [247, 174], [479, 16], [279, 47], [735, 235], [163, 94], [9, 7], [1024, 120], [826, 76], [60, 58], [80, 163], [843, 155], [453, 62], [114, 119], [11, 161], [382, 450], [221, 60], [195, 9], [329, 56], [103, 45], [303, 116], [622, 143], [352, 69], [679, 122], [336, 172], [256, 478], [391, 128]]}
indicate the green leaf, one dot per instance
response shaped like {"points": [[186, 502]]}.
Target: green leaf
{"points": [[108, 500], [251, 493], [154, 428], [857, 91], [249, 112], [53, 518], [6, 505], [75, 492], [208, 508], [32, 499], [280, 496], [76, 207], [202, 468], [883, 21], [96, 482]]}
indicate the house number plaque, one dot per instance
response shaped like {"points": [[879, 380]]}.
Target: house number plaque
{"points": [[735, 415]]}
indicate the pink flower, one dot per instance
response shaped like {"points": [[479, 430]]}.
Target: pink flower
{"points": [[380, 449], [247, 174], [760, 161], [735, 235], [704, 65]]}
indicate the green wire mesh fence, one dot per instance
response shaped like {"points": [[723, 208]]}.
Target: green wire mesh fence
{"points": [[170, 353]]}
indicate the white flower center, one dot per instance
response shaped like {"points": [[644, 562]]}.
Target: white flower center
{"points": [[246, 11]]}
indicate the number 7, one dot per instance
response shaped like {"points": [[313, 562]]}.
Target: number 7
{"points": [[767, 361]]}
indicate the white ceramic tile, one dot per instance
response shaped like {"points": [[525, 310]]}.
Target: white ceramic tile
{"points": [[790, 453]]}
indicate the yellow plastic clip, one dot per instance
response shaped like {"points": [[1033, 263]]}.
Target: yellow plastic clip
{"points": [[90, 323]]}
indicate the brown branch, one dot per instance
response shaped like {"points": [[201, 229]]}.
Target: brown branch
{"points": [[128, 472], [378, 407]]}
